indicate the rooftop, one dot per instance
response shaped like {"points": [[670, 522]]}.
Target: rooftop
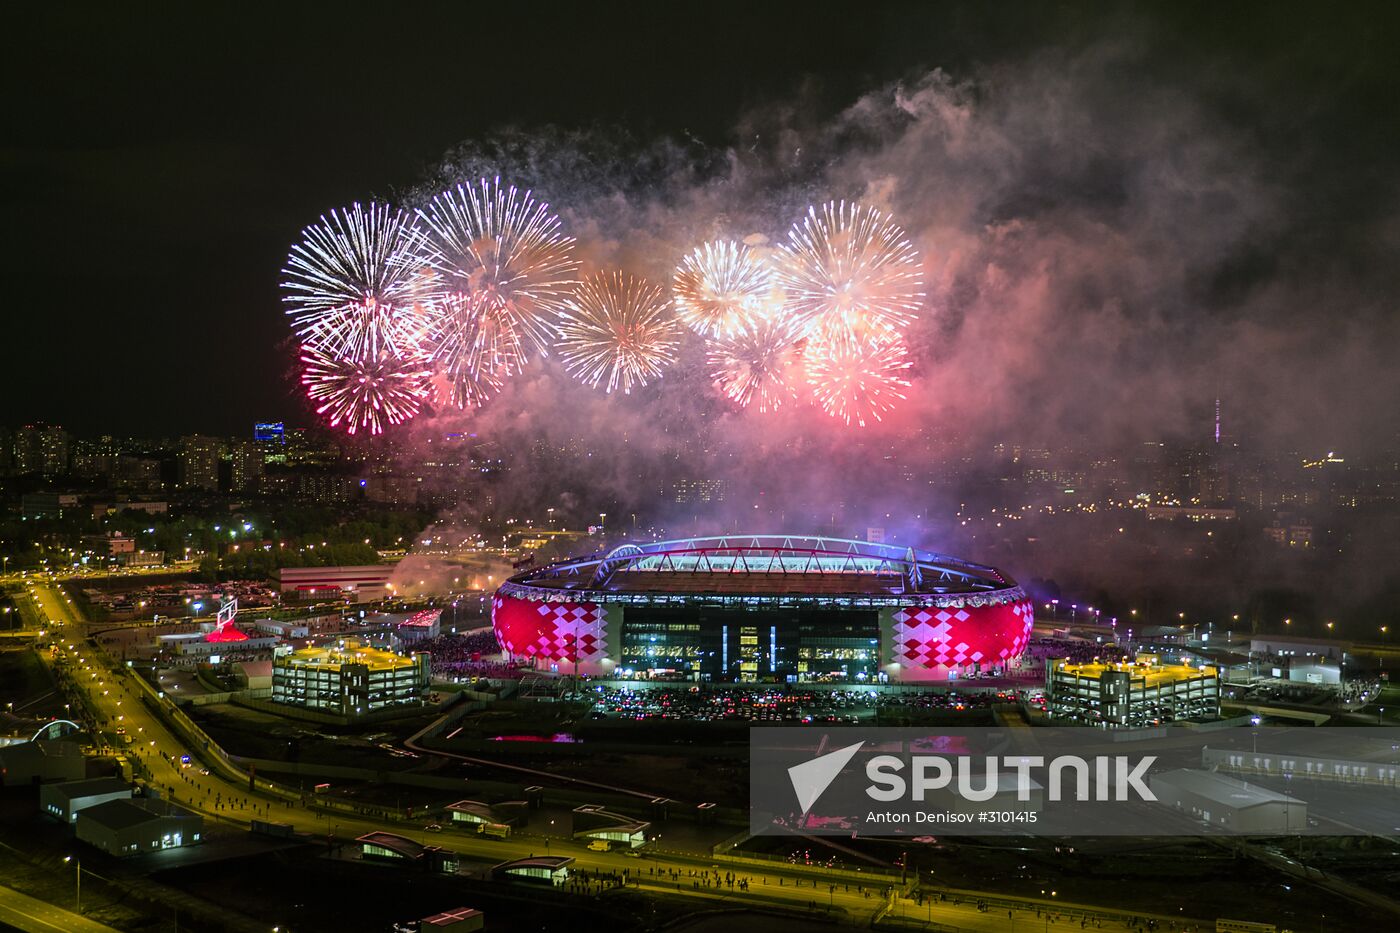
{"points": [[448, 917], [1152, 673], [124, 814], [475, 808], [348, 651], [1220, 789], [595, 819], [403, 845], [42, 749], [90, 788], [423, 619], [552, 862]]}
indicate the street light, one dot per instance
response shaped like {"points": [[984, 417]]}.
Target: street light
{"points": [[79, 892]]}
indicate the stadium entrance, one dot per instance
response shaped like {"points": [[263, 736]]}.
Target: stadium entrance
{"points": [[716, 644]]}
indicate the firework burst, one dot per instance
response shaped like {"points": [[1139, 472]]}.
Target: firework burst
{"points": [[352, 285], [501, 250], [474, 352], [759, 366], [721, 287], [857, 379], [365, 392], [849, 269], [617, 332]]}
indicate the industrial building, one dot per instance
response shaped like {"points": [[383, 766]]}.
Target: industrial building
{"points": [[1301, 647], [537, 869], [778, 608], [1229, 803], [390, 847], [37, 762], [591, 822], [349, 679], [512, 813], [358, 584], [141, 824], [1144, 692], [420, 626], [64, 801]]}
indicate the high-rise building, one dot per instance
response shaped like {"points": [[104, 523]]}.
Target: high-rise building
{"points": [[95, 459], [199, 461], [270, 432], [246, 465], [41, 448], [137, 473]]}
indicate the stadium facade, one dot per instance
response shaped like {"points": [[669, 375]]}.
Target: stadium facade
{"points": [[780, 608]]}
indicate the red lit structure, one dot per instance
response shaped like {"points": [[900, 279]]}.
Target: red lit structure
{"points": [[224, 629], [764, 607]]}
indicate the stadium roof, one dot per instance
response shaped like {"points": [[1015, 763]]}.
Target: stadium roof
{"points": [[768, 565]]}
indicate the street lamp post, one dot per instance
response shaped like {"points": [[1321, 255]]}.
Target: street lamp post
{"points": [[77, 863]]}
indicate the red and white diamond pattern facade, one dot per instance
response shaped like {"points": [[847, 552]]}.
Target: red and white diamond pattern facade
{"points": [[927, 642], [551, 632], [932, 638]]}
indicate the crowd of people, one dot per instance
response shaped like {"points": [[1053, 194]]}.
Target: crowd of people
{"points": [[1078, 651], [468, 657]]}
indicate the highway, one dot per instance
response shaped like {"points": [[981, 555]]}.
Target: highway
{"points": [[223, 796]]}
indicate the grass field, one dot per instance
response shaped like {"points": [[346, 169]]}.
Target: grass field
{"points": [[23, 678]]}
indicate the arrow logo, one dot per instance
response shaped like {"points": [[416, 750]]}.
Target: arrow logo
{"points": [[811, 778]]}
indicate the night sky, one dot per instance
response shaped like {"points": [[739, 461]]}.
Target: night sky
{"points": [[158, 165]]}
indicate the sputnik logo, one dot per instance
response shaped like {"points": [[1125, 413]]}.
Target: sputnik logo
{"points": [[811, 778]]}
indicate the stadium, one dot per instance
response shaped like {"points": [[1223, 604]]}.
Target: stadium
{"points": [[781, 608]]}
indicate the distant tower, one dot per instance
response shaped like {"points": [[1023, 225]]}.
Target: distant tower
{"points": [[1217, 419]]}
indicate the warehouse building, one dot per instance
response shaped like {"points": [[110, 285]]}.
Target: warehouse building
{"points": [[510, 813], [1143, 693], [391, 847], [356, 584], [595, 823], [141, 824], [537, 869], [65, 800], [39, 762], [1229, 803]]}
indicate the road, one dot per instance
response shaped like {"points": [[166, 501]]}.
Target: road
{"points": [[34, 916], [223, 795]]}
